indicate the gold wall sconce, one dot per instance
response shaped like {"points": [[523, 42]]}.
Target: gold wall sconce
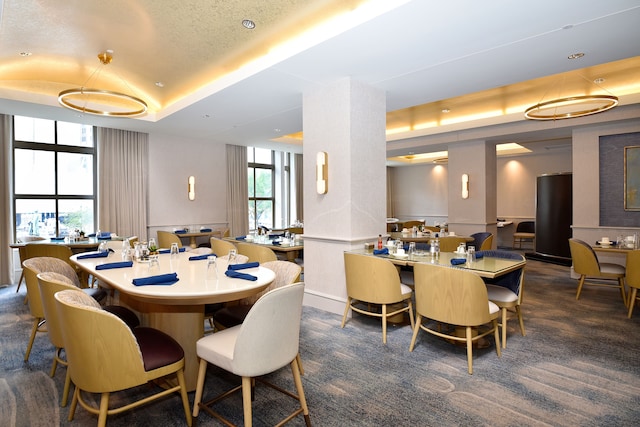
{"points": [[465, 186], [191, 187], [322, 180]]}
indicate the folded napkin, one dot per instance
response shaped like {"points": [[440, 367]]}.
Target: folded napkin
{"points": [[383, 251], [56, 239], [161, 279], [199, 257], [241, 237], [276, 235], [479, 255], [206, 230], [119, 264], [243, 266], [458, 261], [91, 235], [180, 231], [93, 254], [276, 243], [237, 275], [168, 251]]}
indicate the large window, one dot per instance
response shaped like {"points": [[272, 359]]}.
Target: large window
{"points": [[54, 177], [261, 181]]}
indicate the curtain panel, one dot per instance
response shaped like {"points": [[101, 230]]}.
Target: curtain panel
{"points": [[237, 190], [6, 209], [123, 158]]}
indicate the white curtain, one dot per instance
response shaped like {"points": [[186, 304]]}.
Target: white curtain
{"points": [[299, 187], [123, 158], [389, 192], [237, 190], [6, 216]]}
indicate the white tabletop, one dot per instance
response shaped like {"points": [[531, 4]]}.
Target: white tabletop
{"points": [[193, 287]]}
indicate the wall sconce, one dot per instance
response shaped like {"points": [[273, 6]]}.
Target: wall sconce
{"points": [[465, 186], [321, 173], [191, 187]]}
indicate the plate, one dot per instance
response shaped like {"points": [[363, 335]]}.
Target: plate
{"points": [[403, 256]]}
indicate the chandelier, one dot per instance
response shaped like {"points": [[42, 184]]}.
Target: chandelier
{"points": [[102, 102]]}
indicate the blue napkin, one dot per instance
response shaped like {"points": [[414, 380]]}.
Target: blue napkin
{"points": [[479, 255], [383, 251], [273, 242], [241, 237], [243, 266], [276, 235], [168, 251], [109, 265], [56, 239], [93, 254], [199, 257], [458, 261], [237, 275], [161, 279], [91, 235], [205, 230], [180, 231], [105, 235]]}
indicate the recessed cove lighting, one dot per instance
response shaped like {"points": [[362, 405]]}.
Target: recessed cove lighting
{"points": [[248, 24]]}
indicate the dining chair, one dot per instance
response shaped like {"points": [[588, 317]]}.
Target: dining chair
{"points": [[525, 231], [166, 238], [633, 278], [221, 247], [451, 243], [51, 283], [507, 291], [481, 241], [411, 224], [256, 253], [22, 252], [455, 306], [270, 330], [105, 355], [372, 284], [586, 264], [34, 266]]}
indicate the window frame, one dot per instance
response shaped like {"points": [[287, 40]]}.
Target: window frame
{"points": [[253, 166]]}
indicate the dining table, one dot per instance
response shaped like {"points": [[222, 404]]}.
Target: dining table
{"points": [[176, 309], [193, 235], [76, 246], [290, 251]]}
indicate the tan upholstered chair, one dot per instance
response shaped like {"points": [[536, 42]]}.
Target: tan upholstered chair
{"points": [[221, 247], [270, 330], [451, 243], [411, 224], [166, 238], [506, 291], [256, 253], [34, 266], [455, 297], [22, 252], [481, 241], [633, 278], [106, 356], [375, 282], [586, 264], [296, 230], [525, 231]]}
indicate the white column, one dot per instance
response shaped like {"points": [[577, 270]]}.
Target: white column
{"points": [[347, 121]]}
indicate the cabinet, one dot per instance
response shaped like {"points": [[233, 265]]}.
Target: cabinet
{"points": [[554, 214]]}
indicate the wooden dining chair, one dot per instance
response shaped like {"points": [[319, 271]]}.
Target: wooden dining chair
{"points": [[633, 278], [166, 238], [22, 252], [221, 247], [256, 253]]}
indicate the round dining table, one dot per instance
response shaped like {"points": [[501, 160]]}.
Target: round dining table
{"points": [[176, 309]]}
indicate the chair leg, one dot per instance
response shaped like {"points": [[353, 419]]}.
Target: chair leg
{"points": [[504, 327], [622, 292], [416, 328], [183, 394], [468, 336], [246, 401], [32, 337], [301, 397], [55, 362], [104, 409], [521, 321], [496, 337], [580, 283], [74, 403], [20, 281], [67, 387], [384, 323], [202, 372], [632, 301], [299, 361], [346, 311]]}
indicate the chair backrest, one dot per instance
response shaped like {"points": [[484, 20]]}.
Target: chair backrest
{"points": [[371, 279], [286, 273], [584, 258], [271, 330], [526, 227], [633, 269], [450, 295], [481, 241], [451, 243], [201, 251], [256, 253], [102, 352], [22, 251], [221, 247], [410, 224], [53, 250], [50, 284], [166, 238], [33, 267], [296, 230], [514, 280]]}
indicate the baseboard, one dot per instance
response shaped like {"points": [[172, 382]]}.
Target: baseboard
{"points": [[553, 259]]}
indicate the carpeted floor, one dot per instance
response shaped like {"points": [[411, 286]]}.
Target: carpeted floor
{"points": [[579, 365]]}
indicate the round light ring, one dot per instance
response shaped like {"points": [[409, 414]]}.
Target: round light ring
{"points": [[570, 107], [102, 102]]}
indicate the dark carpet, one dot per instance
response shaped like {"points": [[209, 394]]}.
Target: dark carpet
{"points": [[578, 365]]}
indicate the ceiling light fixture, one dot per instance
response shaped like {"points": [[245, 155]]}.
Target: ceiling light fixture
{"points": [[568, 107], [102, 102], [248, 24]]}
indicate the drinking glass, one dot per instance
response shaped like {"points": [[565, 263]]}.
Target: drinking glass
{"points": [[212, 268], [174, 251], [154, 264], [412, 249], [103, 247], [232, 256], [471, 254]]}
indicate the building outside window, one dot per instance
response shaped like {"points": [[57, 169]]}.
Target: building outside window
{"points": [[54, 183]]}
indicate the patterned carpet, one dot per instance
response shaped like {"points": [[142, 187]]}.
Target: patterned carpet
{"points": [[579, 365]]}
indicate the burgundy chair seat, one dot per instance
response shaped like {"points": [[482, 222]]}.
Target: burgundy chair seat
{"points": [[232, 315], [127, 316], [158, 349]]}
